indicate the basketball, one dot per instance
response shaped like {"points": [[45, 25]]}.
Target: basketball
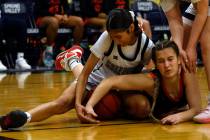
{"points": [[108, 107]]}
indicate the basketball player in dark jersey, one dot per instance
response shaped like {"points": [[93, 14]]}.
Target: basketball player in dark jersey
{"points": [[187, 31], [175, 93]]}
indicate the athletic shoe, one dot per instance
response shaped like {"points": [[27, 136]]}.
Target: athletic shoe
{"points": [[21, 64], [13, 119], [204, 116], [48, 57], [62, 59], [2, 66]]}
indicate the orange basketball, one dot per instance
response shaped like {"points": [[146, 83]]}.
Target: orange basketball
{"points": [[108, 107]]}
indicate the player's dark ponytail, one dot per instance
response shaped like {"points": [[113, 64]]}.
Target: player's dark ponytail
{"points": [[121, 19]]}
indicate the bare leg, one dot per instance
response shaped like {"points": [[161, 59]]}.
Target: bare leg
{"points": [[77, 23], [205, 47], [52, 25], [204, 116], [97, 21], [62, 104], [77, 70], [59, 106]]}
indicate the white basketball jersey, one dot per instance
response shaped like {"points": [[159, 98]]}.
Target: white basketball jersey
{"points": [[119, 60]]}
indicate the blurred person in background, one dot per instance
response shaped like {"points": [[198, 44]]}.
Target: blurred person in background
{"points": [[96, 11], [14, 14], [50, 15]]}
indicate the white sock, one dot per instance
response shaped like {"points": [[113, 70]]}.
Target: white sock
{"points": [[28, 117], [73, 63]]}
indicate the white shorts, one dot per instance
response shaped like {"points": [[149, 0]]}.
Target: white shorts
{"points": [[189, 15]]}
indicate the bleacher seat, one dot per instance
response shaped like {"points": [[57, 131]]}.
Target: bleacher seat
{"points": [[154, 14], [9, 43]]}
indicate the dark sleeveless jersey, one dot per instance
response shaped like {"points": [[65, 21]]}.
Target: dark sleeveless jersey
{"points": [[164, 103]]}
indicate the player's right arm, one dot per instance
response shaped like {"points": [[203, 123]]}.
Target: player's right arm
{"points": [[121, 82], [81, 85]]}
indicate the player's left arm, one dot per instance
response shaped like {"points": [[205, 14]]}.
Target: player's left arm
{"points": [[193, 95]]}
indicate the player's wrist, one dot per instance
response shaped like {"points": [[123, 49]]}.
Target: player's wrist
{"points": [[77, 104]]}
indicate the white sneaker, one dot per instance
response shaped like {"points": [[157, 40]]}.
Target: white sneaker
{"points": [[2, 66], [63, 59], [204, 116], [21, 64]]}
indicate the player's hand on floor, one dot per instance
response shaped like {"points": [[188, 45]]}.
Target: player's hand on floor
{"points": [[80, 109], [83, 116], [91, 119], [89, 110], [90, 114], [171, 119]]}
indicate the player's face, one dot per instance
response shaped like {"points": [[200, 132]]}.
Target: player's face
{"points": [[167, 62], [123, 38]]}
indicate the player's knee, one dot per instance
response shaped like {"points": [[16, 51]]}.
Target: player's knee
{"points": [[79, 22], [139, 109], [54, 23], [61, 106], [137, 106]]}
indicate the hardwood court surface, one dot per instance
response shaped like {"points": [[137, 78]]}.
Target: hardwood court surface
{"points": [[25, 91]]}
